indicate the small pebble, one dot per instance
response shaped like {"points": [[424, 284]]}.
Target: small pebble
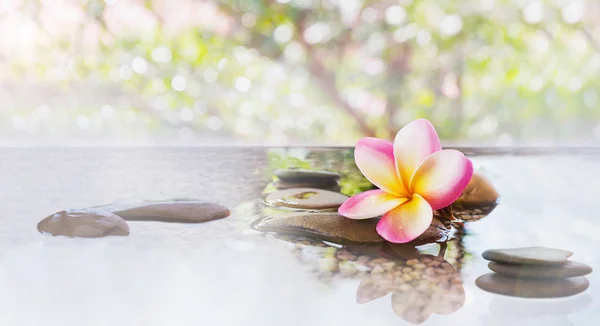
{"points": [[83, 223]]}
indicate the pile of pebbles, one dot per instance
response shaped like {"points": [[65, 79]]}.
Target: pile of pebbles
{"points": [[534, 272], [420, 287], [417, 284]]}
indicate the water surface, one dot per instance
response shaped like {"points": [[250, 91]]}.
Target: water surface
{"points": [[226, 273]]}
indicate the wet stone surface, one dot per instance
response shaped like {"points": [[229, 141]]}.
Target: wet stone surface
{"points": [[569, 269], [306, 198], [528, 255], [302, 178], [471, 213], [331, 185], [325, 226], [176, 212], [83, 224], [479, 191], [306, 175], [531, 288], [336, 228]]}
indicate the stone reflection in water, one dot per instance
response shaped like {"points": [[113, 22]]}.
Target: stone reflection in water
{"points": [[511, 311], [420, 286], [416, 283]]}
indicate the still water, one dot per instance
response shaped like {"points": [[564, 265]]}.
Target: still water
{"points": [[226, 273]]}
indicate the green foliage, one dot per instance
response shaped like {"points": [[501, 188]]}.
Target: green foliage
{"points": [[323, 71]]}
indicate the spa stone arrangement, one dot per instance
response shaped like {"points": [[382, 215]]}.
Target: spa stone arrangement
{"points": [[312, 212], [534, 272], [300, 206], [412, 200]]}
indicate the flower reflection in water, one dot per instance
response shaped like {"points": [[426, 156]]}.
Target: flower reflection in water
{"points": [[420, 286], [421, 277], [420, 283]]}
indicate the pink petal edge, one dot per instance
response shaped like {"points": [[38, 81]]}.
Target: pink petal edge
{"points": [[369, 204], [442, 177], [413, 143], [375, 159]]}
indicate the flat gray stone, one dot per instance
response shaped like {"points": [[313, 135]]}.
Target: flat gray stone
{"points": [[306, 198], [570, 269], [304, 175], [83, 223], [175, 212], [324, 226], [531, 288], [528, 256]]}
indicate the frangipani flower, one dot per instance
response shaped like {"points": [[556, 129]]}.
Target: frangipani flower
{"points": [[414, 176]]}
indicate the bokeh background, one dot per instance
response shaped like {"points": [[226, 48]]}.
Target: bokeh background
{"points": [[293, 72]]}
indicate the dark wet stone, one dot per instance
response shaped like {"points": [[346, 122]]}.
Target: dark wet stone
{"points": [[420, 287], [176, 212], [331, 185], [83, 224], [325, 226], [306, 175], [479, 191], [306, 198], [531, 288], [570, 269], [528, 255], [470, 213]]}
